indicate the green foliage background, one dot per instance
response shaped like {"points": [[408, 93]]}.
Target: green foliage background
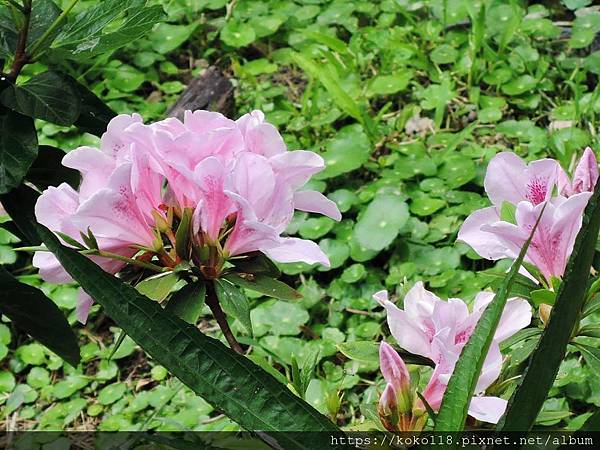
{"points": [[407, 101]]}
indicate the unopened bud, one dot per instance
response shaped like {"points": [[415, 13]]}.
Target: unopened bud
{"points": [[161, 222], [545, 311]]}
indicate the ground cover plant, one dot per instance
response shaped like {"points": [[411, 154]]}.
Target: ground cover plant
{"points": [[395, 228]]}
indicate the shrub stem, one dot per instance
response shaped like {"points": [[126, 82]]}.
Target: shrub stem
{"points": [[213, 303]]}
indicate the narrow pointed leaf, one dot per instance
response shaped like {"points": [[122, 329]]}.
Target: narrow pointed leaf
{"points": [[526, 402], [228, 381], [461, 386], [33, 312], [18, 148]]}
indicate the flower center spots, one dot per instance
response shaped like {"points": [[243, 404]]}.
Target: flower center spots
{"points": [[463, 336], [536, 190]]}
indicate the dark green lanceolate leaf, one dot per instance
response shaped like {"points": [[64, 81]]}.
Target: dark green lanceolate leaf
{"points": [[33, 312], [228, 381], [461, 386], [18, 149], [46, 96], [47, 169], [527, 400], [234, 303], [265, 285], [381, 222], [187, 302], [591, 355]]}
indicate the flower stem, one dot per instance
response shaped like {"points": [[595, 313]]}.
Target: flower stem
{"points": [[133, 262], [213, 304], [21, 57]]}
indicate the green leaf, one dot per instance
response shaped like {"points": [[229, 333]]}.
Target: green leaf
{"points": [[545, 296], [591, 356], [18, 149], [94, 113], [256, 263], [518, 86], [166, 37], [389, 84], [20, 204], [84, 42], [222, 377], [507, 212], [381, 222], [234, 303], [265, 285], [338, 95], [158, 287], [237, 34], [187, 302], [33, 312], [537, 380], [368, 351], [46, 96], [182, 236], [461, 386], [47, 169], [347, 151]]}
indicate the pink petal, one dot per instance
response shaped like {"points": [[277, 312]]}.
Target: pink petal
{"points": [[313, 201], [211, 175], [204, 121], [487, 409], [113, 213], [260, 137], [392, 367], [492, 365], [50, 269], [84, 304], [297, 250], [484, 243], [115, 142], [505, 179], [405, 330], [94, 165], [297, 167], [55, 207], [586, 172]]}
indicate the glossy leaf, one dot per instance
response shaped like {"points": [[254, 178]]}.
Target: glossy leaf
{"points": [[18, 148], [265, 285], [381, 222], [256, 263], [158, 287], [33, 312], [527, 400], [222, 377], [95, 114], [187, 302], [234, 303], [47, 169], [368, 351], [46, 96]]}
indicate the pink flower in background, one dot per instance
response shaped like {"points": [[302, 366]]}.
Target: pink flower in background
{"points": [[438, 330], [238, 177], [527, 188]]}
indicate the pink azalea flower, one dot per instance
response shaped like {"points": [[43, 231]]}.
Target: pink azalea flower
{"points": [[527, 188], [238, 177], [438, 330]]}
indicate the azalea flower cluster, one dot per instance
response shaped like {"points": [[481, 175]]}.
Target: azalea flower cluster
{"points": [[234, 181], [438, 330], [518, 192]]}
